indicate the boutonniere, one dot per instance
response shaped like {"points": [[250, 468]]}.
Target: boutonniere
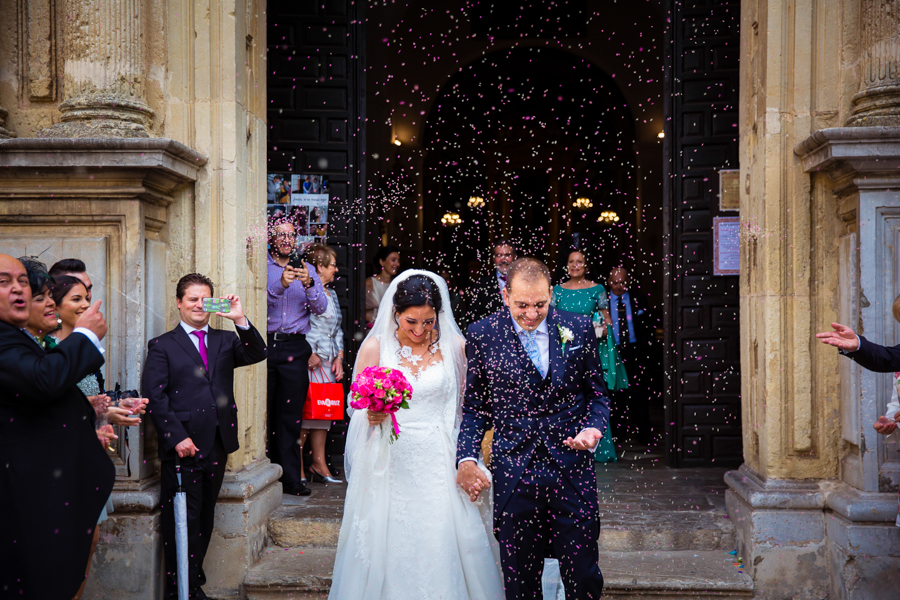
{"points": [[565, 336]]}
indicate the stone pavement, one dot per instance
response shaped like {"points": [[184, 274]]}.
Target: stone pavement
{"points": [[664, 534]]}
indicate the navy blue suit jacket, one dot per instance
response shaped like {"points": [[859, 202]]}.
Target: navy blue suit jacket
{"points": [[505, 391], [877, 358]]}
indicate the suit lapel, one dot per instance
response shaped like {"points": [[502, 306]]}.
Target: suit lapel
{"points": [[213, 346], [181, 336], [557, 359]]}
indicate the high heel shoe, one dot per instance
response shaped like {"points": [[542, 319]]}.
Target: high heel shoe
{"points": [[316, 476]]}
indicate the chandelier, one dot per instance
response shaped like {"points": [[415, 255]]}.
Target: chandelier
{"points": [[476, 202], [583, 203], [451, 219], [608, 216]]}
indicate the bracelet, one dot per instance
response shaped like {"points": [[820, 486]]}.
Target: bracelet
{"points": [[311, 285]]}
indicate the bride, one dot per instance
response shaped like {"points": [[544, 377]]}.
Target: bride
{"points": [[408, 531]]}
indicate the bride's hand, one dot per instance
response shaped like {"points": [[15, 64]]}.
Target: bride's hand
{"points": [[375, 418]]}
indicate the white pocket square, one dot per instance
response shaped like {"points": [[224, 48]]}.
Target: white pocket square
{"points": [[574, 347]]}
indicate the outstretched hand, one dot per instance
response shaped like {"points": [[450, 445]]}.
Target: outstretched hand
{"points": [[842, 337], [586, 440], [886, 426], [471, 479]]}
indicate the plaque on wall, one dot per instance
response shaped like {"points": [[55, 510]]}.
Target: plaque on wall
{"points": [[729, 189], [727, 246]]}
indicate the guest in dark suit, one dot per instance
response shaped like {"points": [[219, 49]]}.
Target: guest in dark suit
{"points": [[55, 477], [633, 333], [189, 379], [485, 297]]}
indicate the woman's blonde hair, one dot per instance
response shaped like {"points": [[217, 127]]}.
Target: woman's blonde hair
{"points": [[319, 255], [896, 308]]}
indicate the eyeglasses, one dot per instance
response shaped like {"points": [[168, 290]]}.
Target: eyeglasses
{"points": [[503, 255], [284, 236]]}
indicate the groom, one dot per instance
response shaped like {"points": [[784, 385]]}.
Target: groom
{"points": [[534, 375]]}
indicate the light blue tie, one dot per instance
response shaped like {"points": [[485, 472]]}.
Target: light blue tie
{"points": [[534, 353]]}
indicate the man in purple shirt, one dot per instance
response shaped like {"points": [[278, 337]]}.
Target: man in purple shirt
{"points": [[292, 294]]}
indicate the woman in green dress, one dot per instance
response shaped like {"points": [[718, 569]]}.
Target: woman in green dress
{"points": [[580, 295]]}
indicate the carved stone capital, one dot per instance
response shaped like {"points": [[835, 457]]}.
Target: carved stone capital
{"points": [[878, 101], [103, 76]]}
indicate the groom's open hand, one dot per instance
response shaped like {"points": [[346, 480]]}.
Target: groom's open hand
{"points": [[586, 440], [471, 479]]}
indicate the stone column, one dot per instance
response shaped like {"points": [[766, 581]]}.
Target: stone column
{"points": [[103, 76], [878, 101]]}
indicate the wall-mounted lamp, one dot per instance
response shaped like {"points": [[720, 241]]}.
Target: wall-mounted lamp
{"points": [[451, 219], [608, 216], [583, 203], [661, 134], [476, 202], [397, 141]]}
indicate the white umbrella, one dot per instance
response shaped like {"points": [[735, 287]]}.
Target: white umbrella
{"points": [[181, 536]]}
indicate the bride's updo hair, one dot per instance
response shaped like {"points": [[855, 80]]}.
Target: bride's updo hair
{"points": [[418, 290]]}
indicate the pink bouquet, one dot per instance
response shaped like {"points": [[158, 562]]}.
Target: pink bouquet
{"points": [[381, 389]]}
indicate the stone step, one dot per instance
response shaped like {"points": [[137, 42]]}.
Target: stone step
{"points": [[315, 522], [305, 574], [665, 531]]}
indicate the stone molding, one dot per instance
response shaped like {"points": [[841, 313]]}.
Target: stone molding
{"points": [[791, 494], [245, 483], [843, 152], [863, 507], [825, 494], [168, 165]]}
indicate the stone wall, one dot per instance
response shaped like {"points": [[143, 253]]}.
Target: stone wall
{"points": [[816, 186], [192, 71]]}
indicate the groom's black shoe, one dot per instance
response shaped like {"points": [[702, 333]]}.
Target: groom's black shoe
{"points": [[295, 489]]}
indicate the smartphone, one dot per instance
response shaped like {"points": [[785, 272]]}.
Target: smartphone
{"points": [[212, 305]]}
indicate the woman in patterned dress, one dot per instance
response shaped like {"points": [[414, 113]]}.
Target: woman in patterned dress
{"points": [[326, 365]]}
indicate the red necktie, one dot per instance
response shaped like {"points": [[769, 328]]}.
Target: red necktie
{"points": [[202, 346]]}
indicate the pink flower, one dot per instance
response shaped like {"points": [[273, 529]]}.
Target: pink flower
{"points": [[360, 404]]}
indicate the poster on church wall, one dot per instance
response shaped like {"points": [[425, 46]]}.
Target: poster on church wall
{"points": [[302, 201], [726, 246], [310, 194]]}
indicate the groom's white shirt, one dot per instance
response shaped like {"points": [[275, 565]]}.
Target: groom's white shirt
{"points": [[542, 337]]}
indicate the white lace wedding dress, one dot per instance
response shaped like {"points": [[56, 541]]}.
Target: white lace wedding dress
{"points": [[408, 532]]}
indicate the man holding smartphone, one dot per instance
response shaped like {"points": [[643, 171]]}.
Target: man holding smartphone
{"points": [[189, 379], [292, 294]]}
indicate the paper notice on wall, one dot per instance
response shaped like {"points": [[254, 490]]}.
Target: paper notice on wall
{"points": [[727, 245]]}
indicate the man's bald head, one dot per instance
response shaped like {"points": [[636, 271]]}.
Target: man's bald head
{"points": [[618, 281], [15, 292]]}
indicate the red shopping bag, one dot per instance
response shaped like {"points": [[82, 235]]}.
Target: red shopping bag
{"points": [[324, 401]]}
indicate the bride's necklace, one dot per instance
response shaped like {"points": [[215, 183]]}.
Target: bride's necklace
{"points": [[406, 353]]}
